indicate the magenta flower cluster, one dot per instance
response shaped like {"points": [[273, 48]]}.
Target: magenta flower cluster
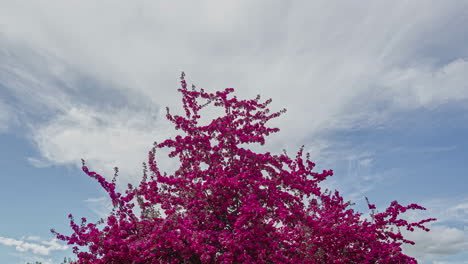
{"points": [[228, 204]]}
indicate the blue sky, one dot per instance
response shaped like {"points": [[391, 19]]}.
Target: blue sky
{"points": [[375, 90]]}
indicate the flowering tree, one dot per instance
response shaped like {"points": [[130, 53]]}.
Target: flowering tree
{"points": [[228, 204]]}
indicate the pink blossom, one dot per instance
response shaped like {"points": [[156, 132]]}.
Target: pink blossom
{"points": [[246, 207]]}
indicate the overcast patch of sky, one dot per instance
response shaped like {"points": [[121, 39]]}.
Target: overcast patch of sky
{"points": [[364, 83]]}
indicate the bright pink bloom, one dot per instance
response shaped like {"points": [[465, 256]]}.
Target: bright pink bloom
{"points": [[228, 204]]}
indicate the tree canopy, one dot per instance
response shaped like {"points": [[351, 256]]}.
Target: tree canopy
{"points": [[229, 204]]}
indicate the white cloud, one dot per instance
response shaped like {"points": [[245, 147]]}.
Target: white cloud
{"points": [[41, 248], [328, 58], [439, 242], [315, 50], [103, 139]]}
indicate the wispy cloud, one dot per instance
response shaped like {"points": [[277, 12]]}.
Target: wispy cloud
{"points": [[6, 116], [429, 85], [101, 206], [40, 247]]}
